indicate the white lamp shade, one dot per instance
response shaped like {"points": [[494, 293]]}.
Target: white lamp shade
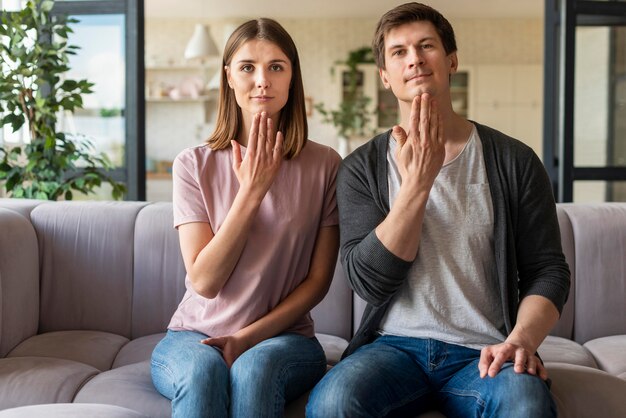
{"points": [[201, 45]]}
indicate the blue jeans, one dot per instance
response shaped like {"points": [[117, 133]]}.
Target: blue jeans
{"points": [[401, 376], [262, 380]]}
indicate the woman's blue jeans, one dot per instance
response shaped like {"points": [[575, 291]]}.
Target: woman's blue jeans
{"points": [[262, 380], [401, 376]]}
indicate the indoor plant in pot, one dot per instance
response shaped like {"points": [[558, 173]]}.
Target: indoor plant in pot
{"points": [[352, 117], [33, 92]]}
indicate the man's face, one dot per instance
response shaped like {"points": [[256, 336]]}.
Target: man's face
{"points": [[416, 62]]}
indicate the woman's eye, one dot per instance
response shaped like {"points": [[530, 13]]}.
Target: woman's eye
{"points": [[275, 67], [247, 68]]}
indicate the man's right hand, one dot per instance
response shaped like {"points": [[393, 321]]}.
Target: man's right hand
{"points": [[421, 152], [420, 155]]}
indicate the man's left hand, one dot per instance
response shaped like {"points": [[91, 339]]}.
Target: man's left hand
{"points": [[493, 357]]}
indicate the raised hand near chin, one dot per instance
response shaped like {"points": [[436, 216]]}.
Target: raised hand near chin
{"points": [[421, 151], [257, 171]]}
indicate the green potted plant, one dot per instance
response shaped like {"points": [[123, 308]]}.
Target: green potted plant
{"points": [[33, 92], [352, 117]]}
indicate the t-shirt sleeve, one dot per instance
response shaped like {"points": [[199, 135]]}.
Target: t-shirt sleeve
{"points": [[330, 214], [187, 196]]}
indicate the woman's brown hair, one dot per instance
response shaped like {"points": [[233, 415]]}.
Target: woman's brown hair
{"points": [[292, 122]]}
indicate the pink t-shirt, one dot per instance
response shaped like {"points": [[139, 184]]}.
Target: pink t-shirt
{"points": [[277, 254]]}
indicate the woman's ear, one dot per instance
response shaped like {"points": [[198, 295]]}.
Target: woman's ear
{"points": [[227, 69]]}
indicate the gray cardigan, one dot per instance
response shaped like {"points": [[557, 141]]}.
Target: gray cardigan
{"points": [[528, 255]]}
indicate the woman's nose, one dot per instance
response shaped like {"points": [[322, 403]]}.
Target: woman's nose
{"points": [[262, 80]]}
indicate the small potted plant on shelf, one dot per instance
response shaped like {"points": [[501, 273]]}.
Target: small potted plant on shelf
{"points": [[33, 92], [352, 117]]}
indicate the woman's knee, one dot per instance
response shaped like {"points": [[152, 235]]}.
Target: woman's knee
{"points": [[180, 364]]}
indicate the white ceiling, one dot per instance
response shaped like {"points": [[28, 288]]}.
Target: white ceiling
{"points": [[219, 9]]}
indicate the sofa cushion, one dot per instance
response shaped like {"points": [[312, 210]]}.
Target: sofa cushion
{"points": [[565, 326], [333, 315], [562, 350], [86, 253], [137, 350], [158, 270], [581, 392], [95, 348], [600, 244], [70, 410], [35, 380], [19, 280], [610, 353], [333, 347], [128, 386], [22, 206]]}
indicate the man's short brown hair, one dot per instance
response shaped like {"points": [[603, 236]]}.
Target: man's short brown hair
{"points": [[408, 13]]}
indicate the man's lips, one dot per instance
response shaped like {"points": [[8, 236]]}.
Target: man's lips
{"points": [[417, 77]]}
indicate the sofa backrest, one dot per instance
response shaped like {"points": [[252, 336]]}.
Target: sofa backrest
{"points": [[19, 280], [158, 271], [565, 326], [86, 265], [599, 288]]}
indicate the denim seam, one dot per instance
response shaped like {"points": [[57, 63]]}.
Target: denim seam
{"points": [[467, 393], [404, 401]]}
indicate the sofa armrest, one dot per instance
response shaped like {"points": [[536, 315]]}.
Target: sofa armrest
{"points": [[19, 280], [581, 392]]}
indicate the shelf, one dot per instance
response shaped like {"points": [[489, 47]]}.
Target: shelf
{"points": [[179, 67], [199, 99], [158, 176]]}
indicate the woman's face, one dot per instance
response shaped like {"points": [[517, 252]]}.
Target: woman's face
{"points": [[260, 75]]}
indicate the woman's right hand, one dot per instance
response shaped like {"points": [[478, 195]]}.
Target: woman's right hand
{"points": [[257, 171]]}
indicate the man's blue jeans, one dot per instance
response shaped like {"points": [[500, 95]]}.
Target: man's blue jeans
{"points": [[196, 379], [401, 376]]}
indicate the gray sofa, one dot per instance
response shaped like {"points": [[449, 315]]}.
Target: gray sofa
{"points": [[87, 288]]}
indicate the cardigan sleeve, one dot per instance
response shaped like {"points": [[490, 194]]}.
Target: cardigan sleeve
{"points": [[541, 263], [373, 271]]}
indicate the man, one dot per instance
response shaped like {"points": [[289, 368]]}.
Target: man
{"points": [[456, 249]]}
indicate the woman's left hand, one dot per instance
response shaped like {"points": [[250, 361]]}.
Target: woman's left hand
{"points": [[231, 346]]}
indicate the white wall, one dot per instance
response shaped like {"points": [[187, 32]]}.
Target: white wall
{"points": [[508, 43]]}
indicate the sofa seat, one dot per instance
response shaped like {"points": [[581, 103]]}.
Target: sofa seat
{"points": [[70, 410], [37, 380], [561, 350], [138, 350], [610, 354], [129, 387], [95, 348]]}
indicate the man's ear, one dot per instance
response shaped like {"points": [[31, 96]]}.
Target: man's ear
{"points": [[383, 77], [454, 63]]}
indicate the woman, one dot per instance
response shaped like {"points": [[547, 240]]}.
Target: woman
{"points": [[259, 238]]}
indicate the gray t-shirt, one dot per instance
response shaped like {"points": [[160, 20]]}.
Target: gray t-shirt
{"points": [[451, 293]]}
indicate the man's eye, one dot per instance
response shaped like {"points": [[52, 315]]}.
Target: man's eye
{"points": [[397, 52]]}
